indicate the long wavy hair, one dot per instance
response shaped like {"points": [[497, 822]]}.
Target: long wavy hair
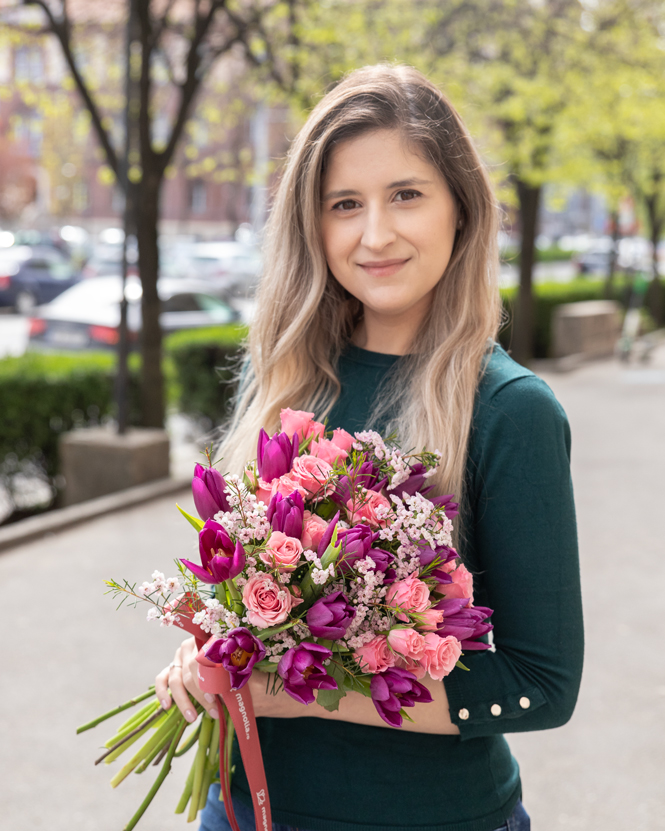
{"points": [[304, 318]]}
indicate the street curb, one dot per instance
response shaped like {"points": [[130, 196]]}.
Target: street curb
{"points": [[32, 528]]}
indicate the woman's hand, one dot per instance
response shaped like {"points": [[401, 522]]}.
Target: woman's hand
{"points": [[273, 706], [181, 677]]}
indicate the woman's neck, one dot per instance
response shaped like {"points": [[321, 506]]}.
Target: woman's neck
{"points": [[390, 335]]}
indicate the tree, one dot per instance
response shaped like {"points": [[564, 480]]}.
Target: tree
{"points": [[172, 52]]}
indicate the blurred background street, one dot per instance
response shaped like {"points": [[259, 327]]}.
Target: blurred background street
{"points": [[139, 155]]}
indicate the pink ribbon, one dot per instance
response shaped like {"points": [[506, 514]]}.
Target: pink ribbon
{"points": [[215, 680]]}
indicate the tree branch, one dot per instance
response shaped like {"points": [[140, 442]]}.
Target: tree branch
{"points": [[62, 30]]}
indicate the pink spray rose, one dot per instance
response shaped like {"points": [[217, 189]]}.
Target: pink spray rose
{"points": [[410, 594], [430, 619], [441, 655], [375, 656], [302, 423], [412, 665], [371, 509], [327, 450], [462, 585], [268, 604], [282, 552], [286, 485], [314, 529], [343, 439], [311, 473], [407, 642]]}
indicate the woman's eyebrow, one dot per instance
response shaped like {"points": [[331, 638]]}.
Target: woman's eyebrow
{"points": [[402, 183]]}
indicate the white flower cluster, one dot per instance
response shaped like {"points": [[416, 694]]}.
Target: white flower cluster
{"points": [[322, 575], [215, 619], [246, 521], [165, 586], [372, 439], [166, 619]]}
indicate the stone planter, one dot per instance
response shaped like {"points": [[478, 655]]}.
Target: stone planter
{"points": [[97, 461]]}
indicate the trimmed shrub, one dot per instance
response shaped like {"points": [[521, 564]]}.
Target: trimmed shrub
{"points": [[203, 366]]}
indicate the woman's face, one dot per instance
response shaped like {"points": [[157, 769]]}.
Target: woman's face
{"points": [[388, 225]]}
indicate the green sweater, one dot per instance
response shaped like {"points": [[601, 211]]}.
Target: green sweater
{"points": [[522, 549]]}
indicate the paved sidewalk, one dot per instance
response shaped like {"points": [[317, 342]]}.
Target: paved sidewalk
{"points": [[67, 655]]}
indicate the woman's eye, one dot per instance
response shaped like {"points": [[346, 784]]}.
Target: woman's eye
{"points": [[345, 205], [407, 195]]}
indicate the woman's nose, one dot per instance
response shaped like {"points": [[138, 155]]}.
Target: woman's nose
{"points": [[378, 231]]}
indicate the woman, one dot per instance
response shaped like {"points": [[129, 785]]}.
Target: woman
{"points": [[380, 306]]}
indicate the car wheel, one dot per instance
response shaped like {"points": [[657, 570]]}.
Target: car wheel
{"points": [[25, 302]]}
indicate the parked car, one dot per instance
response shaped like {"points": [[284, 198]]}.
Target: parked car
{"points": [[228, 264], [32, 275], [87, 316], [594, 261]]}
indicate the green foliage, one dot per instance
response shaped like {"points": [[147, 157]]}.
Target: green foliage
{"points": [[204, 367], [43, 395]]}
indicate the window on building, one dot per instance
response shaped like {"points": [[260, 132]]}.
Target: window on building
{"points": [[198, 197]]}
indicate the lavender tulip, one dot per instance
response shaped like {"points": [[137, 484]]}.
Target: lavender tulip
{"points": [[237, 652], [330, 616], [220, 559], [393, 689], [208, 488], [464, 622], [285, 514], [356, 544], [275, 455], [302, 671]]}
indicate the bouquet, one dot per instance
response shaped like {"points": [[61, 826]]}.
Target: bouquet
{"points": [[326, 566]]}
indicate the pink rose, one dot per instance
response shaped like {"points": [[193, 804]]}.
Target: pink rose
{"points": [[343, 439], [372, 508], [407, 642], [302, 423], [430, 619], [286, 485], [410, 595], [441, 655], [268, 604], [282, 552], [314, 529], [462, 585], [412, 666], [328, 450], [375, 656], [313, 475]]}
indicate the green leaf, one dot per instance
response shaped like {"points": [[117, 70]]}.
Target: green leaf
{"points": [[266, 666], [193, 521], [461, 666], [329, 699]]}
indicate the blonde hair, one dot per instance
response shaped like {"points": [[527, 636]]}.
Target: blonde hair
{"points": [[304, 318]]}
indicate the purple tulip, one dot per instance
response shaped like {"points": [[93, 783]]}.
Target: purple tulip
{"points": [[443, 552], [330, 616], [208, 488], [365, 476], [415, 482], [357, 544], [393, 689], [446, 502], [285, 514], [464, 622], [302, 671], [326, 539], [220, 559], [237, 652], [275, 455]]}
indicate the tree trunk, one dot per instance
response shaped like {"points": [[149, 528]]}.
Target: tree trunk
{"points": [[523, 325], [614, 253], [152, 379], [654, 297]]}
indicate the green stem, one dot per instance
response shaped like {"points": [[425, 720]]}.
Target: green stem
{"points": [[187, 792], [134, 721], [128, 742], [131, 703], [158, 782], [236, 597], [157, 752], [228, 744], [189, 741], [140, 729], [155, 741], [199, 766], [211, 766]]}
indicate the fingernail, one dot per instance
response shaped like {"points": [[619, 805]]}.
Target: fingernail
{"points": [[166, 703], [190, 715], [209, 698], [213, 713]]}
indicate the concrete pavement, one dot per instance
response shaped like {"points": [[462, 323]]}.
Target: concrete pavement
{"points": [[67, 655]]}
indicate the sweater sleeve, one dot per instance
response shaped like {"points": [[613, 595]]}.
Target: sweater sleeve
{"points": [[522, 547]]}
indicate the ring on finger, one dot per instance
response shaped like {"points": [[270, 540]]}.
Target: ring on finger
{"points": [[175, 666]]}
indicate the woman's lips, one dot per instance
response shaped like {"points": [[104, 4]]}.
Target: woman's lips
{"points": [[383, 268]]}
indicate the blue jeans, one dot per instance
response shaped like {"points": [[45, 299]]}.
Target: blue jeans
{"points": [[213, 817]]}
